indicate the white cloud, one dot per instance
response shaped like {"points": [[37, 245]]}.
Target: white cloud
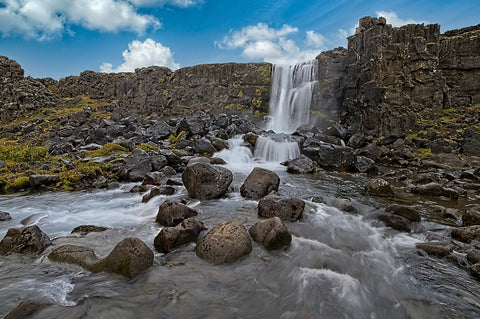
{"points": [[176, 3], [43, 19], [394, 20], [273, 45], [143, 54]]}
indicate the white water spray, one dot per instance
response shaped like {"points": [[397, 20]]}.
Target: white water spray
{"points": [[291, 96]]}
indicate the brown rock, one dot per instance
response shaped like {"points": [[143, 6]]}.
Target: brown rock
{"points": [[406, 211], [259, 183], [205, 181], [29, 239], [171, 237], [72, 254], [396, 222], [438, 249], [85, 229], [25, 309], [286, 208], [271, 233], [172, 213], [379, 187], [225, 243]]}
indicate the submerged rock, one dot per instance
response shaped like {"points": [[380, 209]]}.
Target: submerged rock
{"points": [[25, 309], [171, 237], [225, 243], [85, 229], [5, 216], [271, 233], [259, 183], [172, 213], [379, 187], [157, 191], [22, 240], [286, 208], [205, 181]]}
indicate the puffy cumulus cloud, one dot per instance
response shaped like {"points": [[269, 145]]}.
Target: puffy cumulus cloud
{"points": [[273, 45], [143, 54], [42, 19], [394, 20]]}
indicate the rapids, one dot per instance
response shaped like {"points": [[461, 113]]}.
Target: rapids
{"points": [[339, 265]]}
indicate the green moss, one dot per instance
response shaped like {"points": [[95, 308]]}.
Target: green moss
{"points": [[423, 152], [108, 149], [21, 152], [174, 139], [86, 100], [17, 183], [54, 89], [147, 147]]}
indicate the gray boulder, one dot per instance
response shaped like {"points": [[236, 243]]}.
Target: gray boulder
{"points": [[22, 240], [172, 213], [138, 164], [271, 233], [225, 243], [364, 164], [153, 178], [205, 181], [301, 165], [259, 183], [171, 237], [286, 208]]}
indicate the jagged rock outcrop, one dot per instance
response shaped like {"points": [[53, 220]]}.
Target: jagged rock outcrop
{"points": [[216, 88]]}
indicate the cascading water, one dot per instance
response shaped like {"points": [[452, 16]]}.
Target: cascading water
{"points": [[291, 96]]}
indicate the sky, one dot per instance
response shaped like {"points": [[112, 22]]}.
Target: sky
{"points": [[58, 38]]}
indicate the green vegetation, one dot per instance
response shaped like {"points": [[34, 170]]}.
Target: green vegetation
{"points": [[18, 152], [174, 139], [107, 149], [423, 153]]}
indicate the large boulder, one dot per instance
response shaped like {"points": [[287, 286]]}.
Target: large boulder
{"points": [[286, 208], [365, 164], [396, 222], [29, 239], [225, 243], [171, 237], [172, 213], [138, 164], [129, 258], [301, 165], [271, 233], [259, 183], [205, 181], [330, 156], [379, 187], [435, 189]]}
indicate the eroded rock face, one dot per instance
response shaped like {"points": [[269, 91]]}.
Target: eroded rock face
{"points": [[271, 233], [259, 183], [205, 181], [172, 213], [225, 243], [170, 238], [29, 239], [284, 207]]}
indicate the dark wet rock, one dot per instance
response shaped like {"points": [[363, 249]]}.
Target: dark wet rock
{"points": [[43, 180], [472, 216], [371, 151], [171, 237], [168, 171], [473, 256], [22, 240], [158, 162], [439, 249], [217, 161], [153, 178], [466, 234], [157, 191], [301, 165], [33, 219], [396, 222], [174, 182], [364, 164], [330, 156], [259, 183], [343, 204], [251, 139], [2, 186], [26, 309], [5, 216], [379, 187], [475, 269], [286, 208], [172, 213], [199, 159], [205, 181], [138, 189], [85, 229], [225, 243], [72, 254], [425, 178], [357, 140], [271, 233], [100, 182], [471, 143], [409, 212], [130, 257], [435, 189], [204, 146], [138, 164], [445, 216]]}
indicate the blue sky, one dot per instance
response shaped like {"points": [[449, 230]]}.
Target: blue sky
{"points": [[57, 38]]}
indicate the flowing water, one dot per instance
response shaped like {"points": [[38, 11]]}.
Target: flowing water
{"points": [[338, 265]]}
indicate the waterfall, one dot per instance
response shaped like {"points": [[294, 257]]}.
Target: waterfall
{"points": [[277, 148], [291, 95]]}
